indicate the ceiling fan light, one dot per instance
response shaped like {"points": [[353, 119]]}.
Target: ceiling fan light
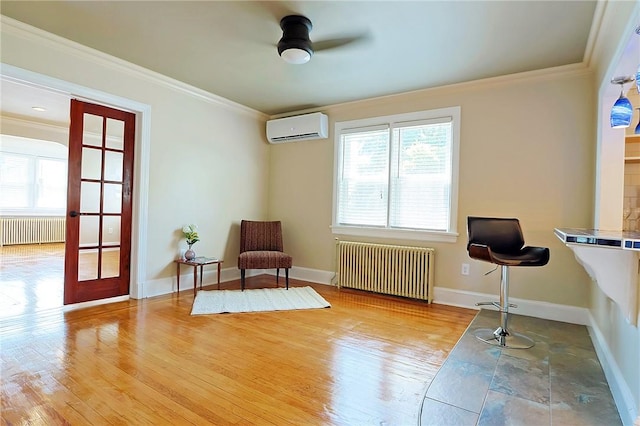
{"points": [[295, 56], [294, 46]]}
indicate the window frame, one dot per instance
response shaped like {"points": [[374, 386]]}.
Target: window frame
{"points": [[34, 188], [391, 121]]}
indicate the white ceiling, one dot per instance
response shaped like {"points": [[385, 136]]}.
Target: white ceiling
{"points": [[18, 100], [228, 47]]}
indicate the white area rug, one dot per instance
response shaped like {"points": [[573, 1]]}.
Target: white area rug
{"points": [[257, 300]]}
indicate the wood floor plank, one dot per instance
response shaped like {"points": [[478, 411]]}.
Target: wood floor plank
{"points": [[366, 360]]}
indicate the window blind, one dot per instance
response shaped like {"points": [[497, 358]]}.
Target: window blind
{"points": [[397, 175]]}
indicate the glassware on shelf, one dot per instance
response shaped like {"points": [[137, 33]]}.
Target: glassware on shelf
{"points": [[622, 110]]}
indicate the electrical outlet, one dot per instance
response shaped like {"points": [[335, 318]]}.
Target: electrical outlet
{"points": [[465, 269]]}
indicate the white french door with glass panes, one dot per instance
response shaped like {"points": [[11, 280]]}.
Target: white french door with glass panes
{"points": [[99, 203]]}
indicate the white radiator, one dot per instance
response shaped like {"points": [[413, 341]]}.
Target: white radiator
{"points": [[388, 269], [31, 230]]}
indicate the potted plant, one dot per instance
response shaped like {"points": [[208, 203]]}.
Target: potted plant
{"points": [[191, 235]]}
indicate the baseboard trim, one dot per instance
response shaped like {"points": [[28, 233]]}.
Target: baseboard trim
{"points": [[307, 274], [619, 388], [443, 296], [91, 303], [169, 285], [532, 308]]}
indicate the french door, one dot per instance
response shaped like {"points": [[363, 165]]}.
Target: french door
{"points": [[99, 203]]}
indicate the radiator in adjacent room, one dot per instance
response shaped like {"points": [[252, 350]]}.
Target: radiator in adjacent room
{"points": [[389, 269], [31, 230]]}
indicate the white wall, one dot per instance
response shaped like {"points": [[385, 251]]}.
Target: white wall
{"points": [[208, 160], [526, 151], [618, 345], [617, 342]]}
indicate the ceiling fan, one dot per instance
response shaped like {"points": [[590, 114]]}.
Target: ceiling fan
{"points": [[295, 47]]}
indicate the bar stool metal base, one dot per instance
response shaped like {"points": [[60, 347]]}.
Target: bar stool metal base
{"points": [[499, 337]]}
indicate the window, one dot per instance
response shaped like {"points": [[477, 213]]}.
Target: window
{"points": [[32, 185], [397, 176]]}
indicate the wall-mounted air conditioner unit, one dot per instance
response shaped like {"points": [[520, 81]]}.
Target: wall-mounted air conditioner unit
{"points": [[298, 128]]}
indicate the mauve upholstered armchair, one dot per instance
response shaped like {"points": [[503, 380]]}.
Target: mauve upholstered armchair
{"points": [[261, 248]]}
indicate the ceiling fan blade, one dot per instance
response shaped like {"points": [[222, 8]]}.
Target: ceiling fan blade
{"points": [[336, 43]]}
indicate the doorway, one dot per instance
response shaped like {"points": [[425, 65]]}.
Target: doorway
{"points": [[34, 157], [27, 87]]}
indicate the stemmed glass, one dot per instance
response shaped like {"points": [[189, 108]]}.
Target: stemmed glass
{"points": [[622, 110]]}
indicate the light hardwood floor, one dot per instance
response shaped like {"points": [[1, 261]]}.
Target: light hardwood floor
{"points": [[366, 360]]}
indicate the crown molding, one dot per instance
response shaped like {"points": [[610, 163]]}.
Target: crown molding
{"points": [[38, 130], [27, 32], [38, 125], [61, 129], [596, 27], [554, 73]]}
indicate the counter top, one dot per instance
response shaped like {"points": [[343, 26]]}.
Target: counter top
{"points": [[625, 240], [611, 260]]}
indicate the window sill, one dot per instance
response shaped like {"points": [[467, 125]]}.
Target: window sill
{"points": [[400, 234]]}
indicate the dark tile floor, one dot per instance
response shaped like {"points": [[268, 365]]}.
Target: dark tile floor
{"points": [[557, 382]]}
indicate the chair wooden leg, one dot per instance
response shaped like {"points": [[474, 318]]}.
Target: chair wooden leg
{"points": [[286, 272], [242, 279], [277, 277]]}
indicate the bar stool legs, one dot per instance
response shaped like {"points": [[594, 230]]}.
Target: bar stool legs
{"points": [[501, 335]]}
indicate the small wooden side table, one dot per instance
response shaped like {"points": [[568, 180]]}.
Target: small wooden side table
{"points": [[201, 262]]}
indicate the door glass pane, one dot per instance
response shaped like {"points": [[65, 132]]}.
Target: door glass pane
{"points": [[91, 163], [112, 198], [115, 134], [92, 130], [111, 230], [89, 197], [110, 263], [88, 265], [113, 165], [89, 226]]}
